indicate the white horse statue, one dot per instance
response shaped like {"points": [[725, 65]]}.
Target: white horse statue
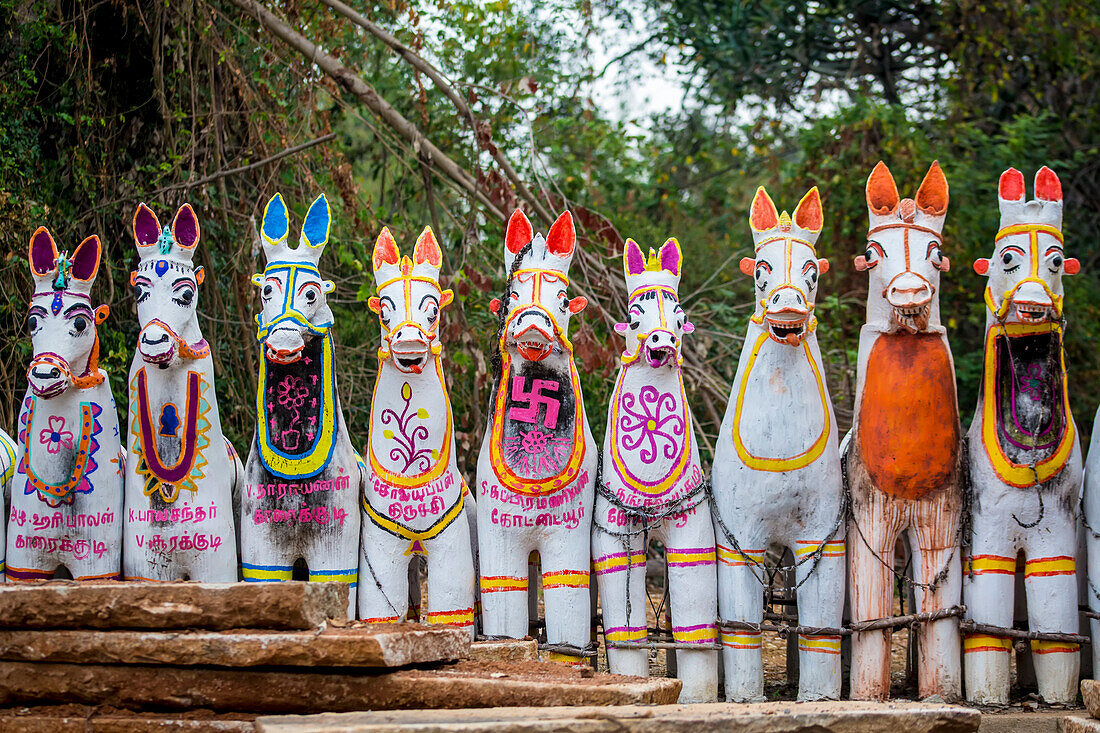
{"points": [[66, 503], [303, 478], [652, 485], [181, 472], [537, 467], [903, 454], [776, 476], [415, 497], [1025, 458]]}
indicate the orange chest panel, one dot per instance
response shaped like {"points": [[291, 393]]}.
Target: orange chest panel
{"points": [[908, 419]]}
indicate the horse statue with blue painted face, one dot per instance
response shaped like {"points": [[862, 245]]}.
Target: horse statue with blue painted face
{"points": [[303, 478], [181, 472], [1025, 458], [537, 467], [904, 452], [415, 498], [652, 485], [66, 499], [776, 477]]}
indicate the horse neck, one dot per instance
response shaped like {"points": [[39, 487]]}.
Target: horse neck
{"points": [[427, 390]]}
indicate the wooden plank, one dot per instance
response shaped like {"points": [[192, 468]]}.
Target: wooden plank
{"points": [[465, 684], [390, 645], [778, 717], [70, 605]]}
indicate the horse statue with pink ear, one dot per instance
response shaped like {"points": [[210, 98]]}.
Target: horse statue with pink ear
{"points": [[66, 501], [537, 466], [414, 500], [904, 452], [181, 473], [652, 485], [1025, 458], [776, 477], [303, 478]]}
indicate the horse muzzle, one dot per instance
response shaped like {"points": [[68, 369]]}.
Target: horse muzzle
{"points": [[661, 348], [48, 376], [410, 350], [284, 345], [156, 346], [787, 315], [533, 334], [910, 297], [1032, 303]]}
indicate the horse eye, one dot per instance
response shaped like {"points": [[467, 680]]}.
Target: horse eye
{"points": [[267, 291], [79, 324], [1007, 259], [1056, 262], [140, 294], [513, 295], [311, 295], [32, 324], [186, 296]]}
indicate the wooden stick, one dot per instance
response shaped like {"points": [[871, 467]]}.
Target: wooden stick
{"points": [[893, 622], [972, 627]]}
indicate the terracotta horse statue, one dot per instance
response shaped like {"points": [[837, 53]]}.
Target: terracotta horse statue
{"points": [[303, 478], [10, 455], [66, 503], [1025, 458], [903, 454], [776, 476], [414, 500], [181, 473], [537, 467], [652, 484]]}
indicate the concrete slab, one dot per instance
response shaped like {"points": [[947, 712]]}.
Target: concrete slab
{"points": [[1078, 724], [827, 717], [1017, 721], [506, 650], [389, 645], [115, 605], [1090, 693]]}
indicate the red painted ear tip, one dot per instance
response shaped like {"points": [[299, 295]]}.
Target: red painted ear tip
{"points": [[748, 265], [518, 231], [1047, 185], [494, 306], [1072, 266], [823, 265], [861, 263], [981, 266], [576, 305], [1010, 187]]}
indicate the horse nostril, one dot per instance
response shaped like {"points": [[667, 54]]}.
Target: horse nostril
{"points": [[776, 299], [653, 338], [54, 373]]}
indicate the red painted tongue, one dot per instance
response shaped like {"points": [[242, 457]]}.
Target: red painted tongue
{"points": [[792, 339], [534, 353]]}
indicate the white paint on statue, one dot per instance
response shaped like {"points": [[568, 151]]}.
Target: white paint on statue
{"points": [[537, 467], [1025, 457], [776, 476], [66, 498], [653, 484], [181, 472], [415, 498], [904, 453], [303, 478], [10, 455]]}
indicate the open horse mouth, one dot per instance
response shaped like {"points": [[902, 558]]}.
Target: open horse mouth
{"points": [[534, 343], [659, 356], [913, 318], [410, 358], [786, 330], [284, 356], [1032, 312]]}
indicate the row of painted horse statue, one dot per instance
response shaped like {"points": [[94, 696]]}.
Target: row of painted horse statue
{"points": [[168, 498]]}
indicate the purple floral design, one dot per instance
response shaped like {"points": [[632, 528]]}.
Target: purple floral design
{"points": [[407, 440], [56, 436], [651, 421], [1033, 384], [291, 394]]}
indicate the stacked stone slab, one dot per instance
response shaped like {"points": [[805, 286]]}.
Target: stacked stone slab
{"points": [[1090, 693], [262, 648]]}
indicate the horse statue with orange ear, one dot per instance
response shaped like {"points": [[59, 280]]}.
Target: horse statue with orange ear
{"points": [[904, 455], [181, 473], [1025, 457], [776, 477], [66, 498], [536, 471], [303, 478], [652, 485], [415, 499]]}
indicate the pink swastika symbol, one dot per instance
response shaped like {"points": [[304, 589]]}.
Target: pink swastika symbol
{"points": [[534, 398]]}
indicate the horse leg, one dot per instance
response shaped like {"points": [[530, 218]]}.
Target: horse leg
{"points": [[502, 556], [741, 598], [878, 519], [565, 580], [451, 577], [1050, 577], [820, 603], [693, 594], [619, 562], [935, 529], [383, 575], [989, 588], [331, 554]]}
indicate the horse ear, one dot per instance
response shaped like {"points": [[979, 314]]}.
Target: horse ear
{"points": [[519, 231], [385, 250], [562, 237], [85, 262], [981, 265], [808, 214], [762, 213], [42, 252], [146, 226], [316, 225], [427, 249], [185, 227], [748, 265], [276, 224], [882, 192], [1047, 185], [633, 260], [932, 196], [671, 257], [1011, 185]]}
